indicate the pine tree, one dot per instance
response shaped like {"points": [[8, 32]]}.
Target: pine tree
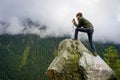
{"points": [[111, 56]]}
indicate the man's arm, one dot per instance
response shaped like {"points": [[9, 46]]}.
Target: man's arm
{"points": [[74, 22]]}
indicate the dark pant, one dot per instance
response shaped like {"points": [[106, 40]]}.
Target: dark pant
{"points": [[89, 32]]}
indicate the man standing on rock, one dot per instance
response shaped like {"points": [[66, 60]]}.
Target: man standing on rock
{"points": [[84, 26]]}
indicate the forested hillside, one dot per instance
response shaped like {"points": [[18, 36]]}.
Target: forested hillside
{"points": [[26, 57]]}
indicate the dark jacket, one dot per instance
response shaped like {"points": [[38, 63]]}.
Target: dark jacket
{"points": [[82, 22]]}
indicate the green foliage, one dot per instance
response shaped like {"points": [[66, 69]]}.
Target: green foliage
{"points": [[111, 56], [27, 57]]}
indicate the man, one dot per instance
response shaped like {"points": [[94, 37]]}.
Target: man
{"points": [[84, 26]]}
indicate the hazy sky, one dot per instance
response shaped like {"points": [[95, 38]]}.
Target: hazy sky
{"points": [[57, 16]]}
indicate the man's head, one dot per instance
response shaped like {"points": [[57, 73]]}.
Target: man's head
{"points": [[78, 15]]}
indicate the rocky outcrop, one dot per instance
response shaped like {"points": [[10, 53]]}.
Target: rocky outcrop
{"points": [[75, 62]]}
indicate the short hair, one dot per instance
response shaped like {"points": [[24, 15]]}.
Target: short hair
{"points": [[79, 14]]}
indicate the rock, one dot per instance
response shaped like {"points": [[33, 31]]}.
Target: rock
{"points": [[95, 68], [75, 62]]}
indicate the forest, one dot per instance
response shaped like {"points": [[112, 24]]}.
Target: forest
{"points": [[27, 57]]}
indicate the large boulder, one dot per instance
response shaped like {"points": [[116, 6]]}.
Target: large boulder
{"points": [[75, 62]]}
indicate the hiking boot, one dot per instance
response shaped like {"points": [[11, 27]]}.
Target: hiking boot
{"points": [[94, 54]]}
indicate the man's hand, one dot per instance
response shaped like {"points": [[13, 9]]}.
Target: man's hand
{"points": [[74, 22]]}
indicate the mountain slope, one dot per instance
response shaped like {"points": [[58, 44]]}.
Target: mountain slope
{"points": [[19, 63], [12, 50]]}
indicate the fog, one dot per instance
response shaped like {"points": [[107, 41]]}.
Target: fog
{"points": [[56, 15]]}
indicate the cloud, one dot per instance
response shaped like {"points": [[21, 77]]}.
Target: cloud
{"points": [[14, 27], [57, 16]]}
